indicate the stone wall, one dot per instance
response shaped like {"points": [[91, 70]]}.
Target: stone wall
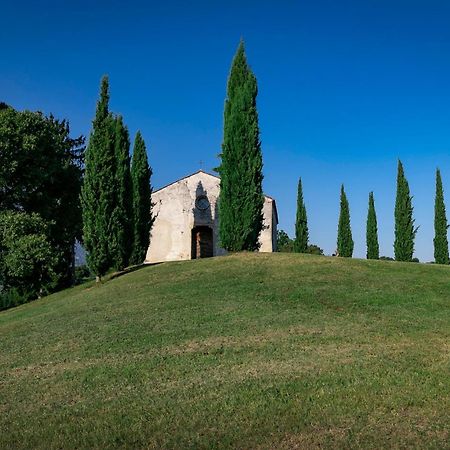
{"points": [[176, 215]]}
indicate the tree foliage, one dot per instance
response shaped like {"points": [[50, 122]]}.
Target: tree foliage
{"points": [[121, 224], [41, 172], [314, 250], [286, 245], [241, 198], [301, 223], [28, 260], [405, 231], [373, 248], [98, 192], [440, 224], [142, 200], [344, 240]]}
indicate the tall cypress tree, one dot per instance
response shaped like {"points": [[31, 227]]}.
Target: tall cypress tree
{"points": [[344, 240], [98, 196], [440, 224], [142, 204], [404, 222], [301, 223], [120, 244], [373, 249], [241, 199]]}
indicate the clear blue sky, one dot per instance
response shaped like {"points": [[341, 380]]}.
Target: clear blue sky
{"points": [[345, 88]]}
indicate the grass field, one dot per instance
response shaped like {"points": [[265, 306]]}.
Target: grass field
{"points": [[249, 351]]}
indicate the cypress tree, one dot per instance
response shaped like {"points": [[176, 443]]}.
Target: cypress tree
{"points": [[404, 222], [301, 223], [241, 199], [373, 249], [97, 196], [142, 204], [440, 224], [344, 240], [120, 244]]}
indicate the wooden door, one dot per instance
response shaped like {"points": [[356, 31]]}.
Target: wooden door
{"points": [[202, 242]]}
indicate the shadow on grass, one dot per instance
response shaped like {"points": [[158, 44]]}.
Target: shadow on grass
{"points": [[128, 270]]}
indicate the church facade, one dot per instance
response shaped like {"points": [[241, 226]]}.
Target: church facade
{"points": [[186, 222]]}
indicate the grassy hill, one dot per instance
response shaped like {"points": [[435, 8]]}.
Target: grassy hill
{"points": [[250, 351]]}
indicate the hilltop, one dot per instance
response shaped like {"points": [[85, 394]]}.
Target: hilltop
{"points": [[249, 350]]}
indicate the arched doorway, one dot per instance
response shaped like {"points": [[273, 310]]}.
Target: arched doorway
{"points": [[202, 242]]}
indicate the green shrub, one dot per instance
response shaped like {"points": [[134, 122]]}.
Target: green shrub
{"points": [[83, 274], [27, 259], [313, 249], [11, 298]]}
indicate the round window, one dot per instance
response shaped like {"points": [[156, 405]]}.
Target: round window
{"points": [[202, 202]]}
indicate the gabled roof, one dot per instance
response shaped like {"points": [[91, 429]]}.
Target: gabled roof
{"points": [[218, 178], [187, 176]]}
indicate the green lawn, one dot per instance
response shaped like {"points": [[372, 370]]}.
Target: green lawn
{"points": [[249, 351]]}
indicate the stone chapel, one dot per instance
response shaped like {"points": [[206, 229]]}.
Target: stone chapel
{"points": [[186, 223]]}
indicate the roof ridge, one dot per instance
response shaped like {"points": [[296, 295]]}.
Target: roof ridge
{"points": [[195, 173], [186, 176]]}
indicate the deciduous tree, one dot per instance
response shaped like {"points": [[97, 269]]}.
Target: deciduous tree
{"points": [[28, 260], [41, 172]]}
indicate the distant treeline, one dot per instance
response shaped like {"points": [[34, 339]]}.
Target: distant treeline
{"points": [[405, 229]]}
